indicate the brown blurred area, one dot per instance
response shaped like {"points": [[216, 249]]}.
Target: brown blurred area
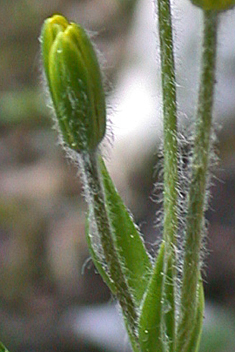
{"points": [[43, 253]]}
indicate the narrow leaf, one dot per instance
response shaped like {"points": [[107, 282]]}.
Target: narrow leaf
{"points": [[156, 323], [150, 318], [194, 341], [134, 258], [103, 242]]}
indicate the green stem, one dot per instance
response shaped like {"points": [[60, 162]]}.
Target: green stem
{"points": [[170, 148], [197, 191], [170, 121], [96, 199]]}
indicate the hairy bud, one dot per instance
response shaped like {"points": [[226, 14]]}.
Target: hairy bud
{"points": [[75, 83]]}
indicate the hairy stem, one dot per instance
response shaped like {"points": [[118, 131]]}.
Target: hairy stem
{"points": [[170, 144], [199, 170], [170, 121], [96, 199]]}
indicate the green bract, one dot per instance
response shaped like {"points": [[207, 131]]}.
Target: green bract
{"points": [[75, 83]]}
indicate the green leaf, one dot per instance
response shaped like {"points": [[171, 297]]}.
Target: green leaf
{"points": [[189, 330], [169, 302], [150, 318], [156, 323], [194, 340], [135, 261], [3, 348]]}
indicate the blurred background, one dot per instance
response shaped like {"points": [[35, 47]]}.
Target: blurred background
{"points": [[51, 298]]}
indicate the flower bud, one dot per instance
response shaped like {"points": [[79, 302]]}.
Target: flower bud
{"points": [[75, 83], [214, 5]]}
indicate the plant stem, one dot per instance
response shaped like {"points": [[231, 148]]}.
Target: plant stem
{"points": [[170, 144], [199, 173], [96, 201], [170, 121]]}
